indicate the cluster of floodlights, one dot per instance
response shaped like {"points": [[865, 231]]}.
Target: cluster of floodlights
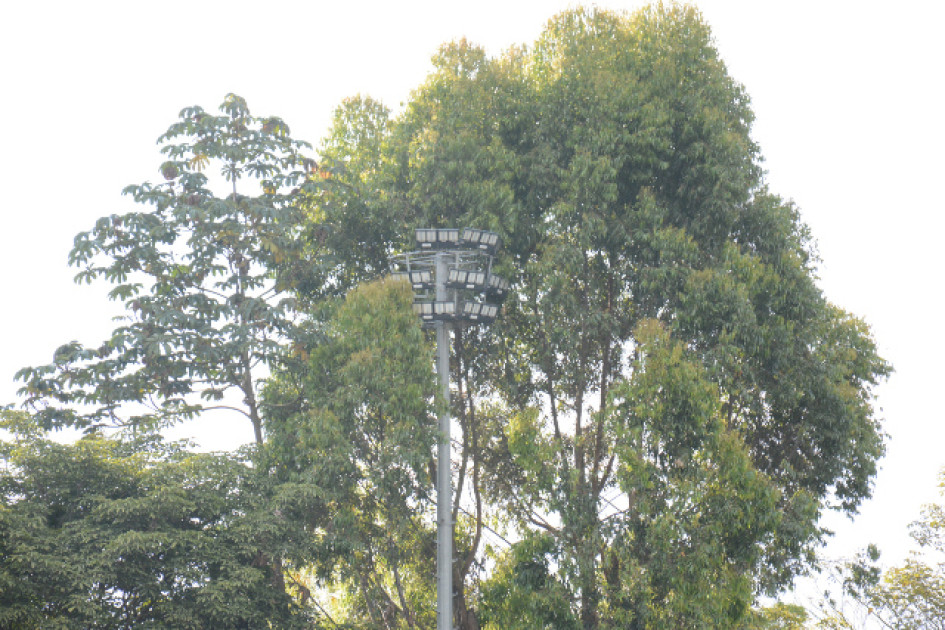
{"points": [[452, 238], [470, 311], [465, 264]]}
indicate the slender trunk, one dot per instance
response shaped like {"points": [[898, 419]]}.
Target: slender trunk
{"points": [[249, 396], [369, 601], [466, 618], [599, 481], [400, 595], [462, 394], [590, 597], [585, 522]]}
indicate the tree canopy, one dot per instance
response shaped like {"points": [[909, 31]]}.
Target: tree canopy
{"points": [[648, 433], [668, 397], [199, 275], [111, 534]]}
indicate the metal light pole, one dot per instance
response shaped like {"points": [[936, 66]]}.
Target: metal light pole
{"points": [[450, 263], [444, 488]]}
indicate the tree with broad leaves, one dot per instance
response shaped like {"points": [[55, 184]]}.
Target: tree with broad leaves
{"points": [[668, 397], [133, 532], [108, 533], [657, 420], [200, 273]]}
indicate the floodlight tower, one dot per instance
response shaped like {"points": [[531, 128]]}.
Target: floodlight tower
{"points": [[452, 278]]}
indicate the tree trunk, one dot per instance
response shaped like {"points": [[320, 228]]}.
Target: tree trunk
{"points": [[465, 618]]}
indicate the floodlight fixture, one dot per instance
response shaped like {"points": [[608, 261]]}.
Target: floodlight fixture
{"points": [[497, 286], [421, 279], [466, 279], [453, 272], [444, 311], [480, 312], [438, 238], [424, 310], [481, 239]]}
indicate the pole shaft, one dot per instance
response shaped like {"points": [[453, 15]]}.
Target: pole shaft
{"points": [[444, 532]]}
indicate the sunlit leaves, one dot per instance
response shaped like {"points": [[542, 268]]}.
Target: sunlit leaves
{"points": [[910, 595], [661, 412], [355, 421]]}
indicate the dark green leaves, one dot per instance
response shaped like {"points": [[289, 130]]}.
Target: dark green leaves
{"points": [[103, 534]]}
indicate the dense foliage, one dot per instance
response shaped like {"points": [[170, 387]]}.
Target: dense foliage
{"points": [[111, 534], [355, 427], [668, 400], [647, 435]]}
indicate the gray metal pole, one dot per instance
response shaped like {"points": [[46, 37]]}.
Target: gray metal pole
{"points": [[444, 531]]}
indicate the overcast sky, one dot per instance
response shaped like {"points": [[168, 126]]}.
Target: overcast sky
{"points": [[848, 116]]}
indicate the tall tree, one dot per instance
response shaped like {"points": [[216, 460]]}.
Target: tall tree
{"points": [[615, 159], [661, 413], [354, 427], [132, 532], [199, 275]]}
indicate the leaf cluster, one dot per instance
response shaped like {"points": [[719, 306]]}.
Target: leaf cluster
{"points": [[356, 425], [114, 534]]}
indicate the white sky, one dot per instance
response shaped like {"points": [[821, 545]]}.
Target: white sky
{"points": [[848, 115]]}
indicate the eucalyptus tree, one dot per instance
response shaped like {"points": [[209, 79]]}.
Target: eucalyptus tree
{"points": [[668, 397]]}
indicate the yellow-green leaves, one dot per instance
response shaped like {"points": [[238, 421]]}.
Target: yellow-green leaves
{"points": [[699, 509], [665, 358]]}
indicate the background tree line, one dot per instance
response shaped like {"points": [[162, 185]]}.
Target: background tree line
{"points": [[654, 424]]}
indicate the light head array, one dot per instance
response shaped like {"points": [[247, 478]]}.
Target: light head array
{"points": [[469, 312], [465, 257], [438, 238], [453, 238], [418, 279]]}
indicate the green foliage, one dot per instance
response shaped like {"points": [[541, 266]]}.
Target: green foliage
{"points": [[199, 275], [357, 426], [660, 415], [614, 158], [688, 543], [112, 534], [522, 593], [349, 237], [776, 617]]}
